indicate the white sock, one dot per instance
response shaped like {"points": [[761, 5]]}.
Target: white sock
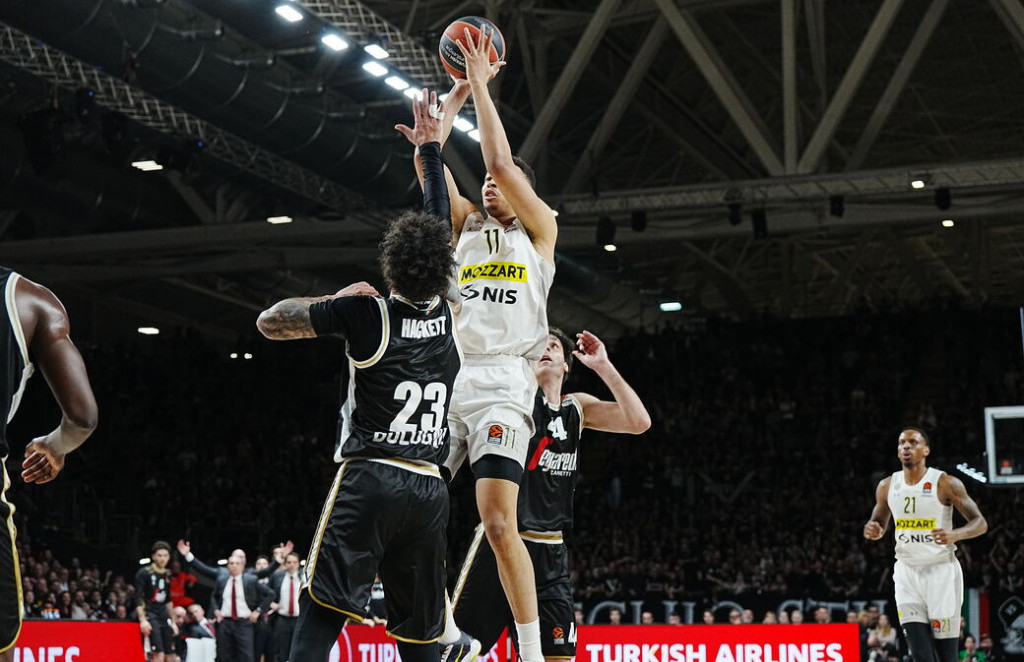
{"points": [[529, 641], [451, 632]]}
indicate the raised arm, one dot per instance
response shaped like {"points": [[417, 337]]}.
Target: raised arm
{"points": [[185, 549], [880, 514], [436, 126], [289, 319], [47, 331], [952, 490], [627, 413], [532, 212]]}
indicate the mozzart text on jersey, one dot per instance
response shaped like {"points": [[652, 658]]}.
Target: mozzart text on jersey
{"points": [[494, 271], [817, 652]]}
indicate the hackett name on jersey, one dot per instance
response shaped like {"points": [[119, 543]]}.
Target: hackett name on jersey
{"points": [[433, 438], [424, 328]]}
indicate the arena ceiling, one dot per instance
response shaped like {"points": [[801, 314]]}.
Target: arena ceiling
{"points": [[813, 116]]}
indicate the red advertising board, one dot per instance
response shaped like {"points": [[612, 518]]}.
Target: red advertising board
{"points": [[718, 643], [362, 643], [78, 641]]}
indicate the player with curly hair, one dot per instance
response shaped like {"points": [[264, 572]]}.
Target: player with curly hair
{"points": [[388, 507]]}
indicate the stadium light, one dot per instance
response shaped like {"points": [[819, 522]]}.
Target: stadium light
{"points": [[149, 330], [670, 306], [145, 560], [278, 220], [375, 50], [147, 166], [397, 83], [611, 248], [474, 134], [289, 13], [971, 472], [948, 223], [233, 355], [411, 92], [375, 68], [462, 124], [334, 41], [247, 356]]}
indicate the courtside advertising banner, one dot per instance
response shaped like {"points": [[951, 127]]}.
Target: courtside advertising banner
{"points": [[718, 643], [362, 643], [78, 641]]}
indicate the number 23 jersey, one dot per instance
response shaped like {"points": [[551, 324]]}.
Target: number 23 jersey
{"points": [[402, 359]]}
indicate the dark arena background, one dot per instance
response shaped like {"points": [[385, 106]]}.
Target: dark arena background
{"points": [[796, 225]]}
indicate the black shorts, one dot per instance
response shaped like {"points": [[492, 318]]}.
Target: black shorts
{"points": [[10, 571], [482, 611], [391, 520], [161, 639]]}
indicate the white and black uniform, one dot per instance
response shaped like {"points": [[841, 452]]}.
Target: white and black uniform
{"points": [[15, 369], [544, 513], [503, 325], [928, 577], [387, 511]]}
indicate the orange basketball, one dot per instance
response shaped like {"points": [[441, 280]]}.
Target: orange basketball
{"points": [[451, 56]]}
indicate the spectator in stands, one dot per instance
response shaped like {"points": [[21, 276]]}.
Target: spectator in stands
{"points": [[970, 652], [784, 617], [675, 619], [181, 583], [769, 618], [987, 647], [796, 617], [735, 617], [747, 617], [822, 615], [615, 616], [199, 627], [708, 617], [647, 618]]}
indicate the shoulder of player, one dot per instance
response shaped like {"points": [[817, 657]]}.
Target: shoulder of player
{"points": [[950, 486], [883, 486]]}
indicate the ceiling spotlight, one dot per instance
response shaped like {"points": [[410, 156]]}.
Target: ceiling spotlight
{"points": [[638, 220], [147, 166], [278, 220], [375, 68], [149, 330], [611, 248], [919, 180], [948, 223], [233, 355], [334, 41], [411, 92], [397, 83], [836, 206], [247, 356], [475, 135], [670, 306], [605, 232], [462, 124], [943, 199], [289, 13], [759, 219], [375, 50], [734, 213]]}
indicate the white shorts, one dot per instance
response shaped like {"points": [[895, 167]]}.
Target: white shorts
{"points": [[931, 594], [492, 410]]}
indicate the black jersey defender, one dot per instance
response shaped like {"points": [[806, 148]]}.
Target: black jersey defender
{"points": [[392, 434]]}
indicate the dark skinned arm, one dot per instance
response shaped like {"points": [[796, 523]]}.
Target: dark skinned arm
{"points": [[880, 514], [952, 491], [47, 333]]}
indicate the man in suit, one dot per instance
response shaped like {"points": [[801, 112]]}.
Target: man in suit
{"points": [[237, 602], [201, 628], [286, 585]]}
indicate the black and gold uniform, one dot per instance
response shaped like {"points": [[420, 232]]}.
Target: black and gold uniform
{"points": [[544, 512], [15, 369], [153, 590], [388, 507]]}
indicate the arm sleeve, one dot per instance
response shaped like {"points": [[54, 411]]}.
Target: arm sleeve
{"points": [[202, 568], [435, 191], [358, 319], [140, 588]]}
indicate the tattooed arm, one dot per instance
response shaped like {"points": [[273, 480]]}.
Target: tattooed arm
{"points": [[289, 319]]}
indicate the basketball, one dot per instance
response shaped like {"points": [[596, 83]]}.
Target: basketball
{"points": [[451, 56]]}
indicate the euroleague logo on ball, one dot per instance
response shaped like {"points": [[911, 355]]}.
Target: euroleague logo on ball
{"points": [[451, 56]]}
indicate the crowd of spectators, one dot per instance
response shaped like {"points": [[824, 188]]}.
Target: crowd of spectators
{"points": [[768, 439]]}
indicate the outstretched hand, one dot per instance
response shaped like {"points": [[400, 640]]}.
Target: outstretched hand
{"points": [[591, 351], [477, 54], [184, 548], [428, 119]]}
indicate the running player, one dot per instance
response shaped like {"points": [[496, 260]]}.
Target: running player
{"points": [[388, 508], [34, 322], [506, 263], [153, 590], [545, 500], [928, 577]]}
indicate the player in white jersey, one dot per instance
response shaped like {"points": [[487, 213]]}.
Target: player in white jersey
{"points": [[929, 580], [506, 263]]}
